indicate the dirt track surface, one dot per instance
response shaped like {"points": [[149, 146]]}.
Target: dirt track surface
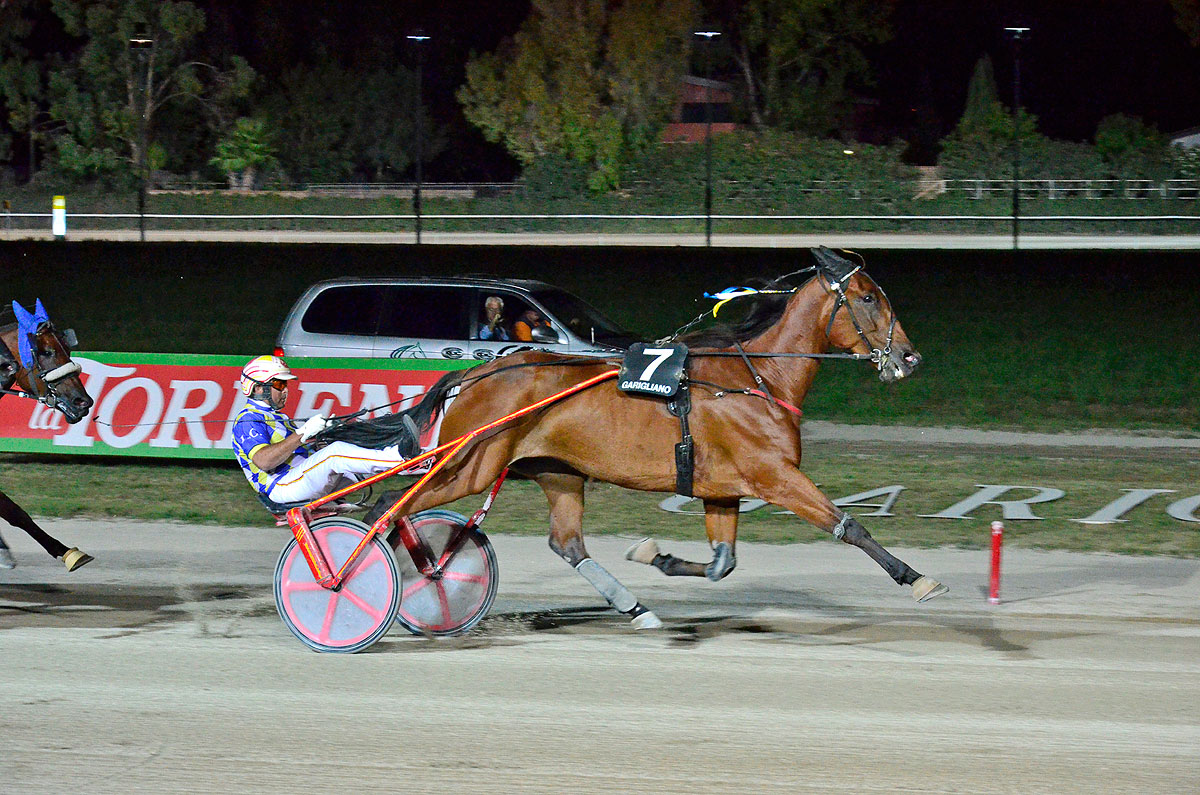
{"points": [[163, 667]]}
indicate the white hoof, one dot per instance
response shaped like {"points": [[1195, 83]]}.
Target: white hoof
{"points": [[643, 551], [73, 558], [925, 588], [646, 620], [6, 559]]}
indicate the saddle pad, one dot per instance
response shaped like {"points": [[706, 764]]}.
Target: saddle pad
{"points": [[652, 369]]}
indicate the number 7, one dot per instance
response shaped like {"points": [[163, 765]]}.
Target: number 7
{"points": [[661, 354]]}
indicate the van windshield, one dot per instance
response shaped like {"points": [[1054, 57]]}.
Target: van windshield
{"points": [[584, 320]]}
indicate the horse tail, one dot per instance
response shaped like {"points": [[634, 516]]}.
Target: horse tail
{"points": [[403, 428]]}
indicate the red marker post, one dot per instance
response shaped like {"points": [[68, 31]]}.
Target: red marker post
{"points": [[997, 542]]}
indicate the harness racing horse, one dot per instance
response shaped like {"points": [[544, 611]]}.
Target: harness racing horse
{"points": [[36, 358], [744, 385]]}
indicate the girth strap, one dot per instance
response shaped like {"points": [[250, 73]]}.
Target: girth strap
{"points": [[685, 453]]}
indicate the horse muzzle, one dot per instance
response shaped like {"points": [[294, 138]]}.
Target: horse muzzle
{"points": [[73, 409], [898, 364]]}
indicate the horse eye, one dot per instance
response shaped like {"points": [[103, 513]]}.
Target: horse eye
{"points": [[868, 298]]}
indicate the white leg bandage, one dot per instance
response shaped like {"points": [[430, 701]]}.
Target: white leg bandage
{"points": [[617, 594]]}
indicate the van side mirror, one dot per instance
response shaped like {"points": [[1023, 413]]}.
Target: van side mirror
{"points": [[545, 335]]}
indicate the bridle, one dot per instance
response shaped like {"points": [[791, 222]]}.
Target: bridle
{"points": [[43, 381], [878, 356]]}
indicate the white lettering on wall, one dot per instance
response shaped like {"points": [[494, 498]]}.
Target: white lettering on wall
{"points": [[1012, 509], [310, 391], [239, 400], [95, 376], [192, 418], [122, 437]]}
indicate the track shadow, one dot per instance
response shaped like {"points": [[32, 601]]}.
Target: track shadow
{"points": [[116, 607]]}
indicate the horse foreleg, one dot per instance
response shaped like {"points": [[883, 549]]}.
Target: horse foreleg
{"points": [[565, 495], [15, 515], [800, 495], [720, 522]]}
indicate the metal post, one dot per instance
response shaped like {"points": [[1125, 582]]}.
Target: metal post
{"points": [[420, 39], [142, 45], [1017, 34], [708, 36]]}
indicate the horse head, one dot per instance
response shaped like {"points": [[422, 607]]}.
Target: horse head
{"points": [[42, 366], [861, 318]]}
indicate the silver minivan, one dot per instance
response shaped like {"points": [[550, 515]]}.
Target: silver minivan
{"points": [[441, 318]]}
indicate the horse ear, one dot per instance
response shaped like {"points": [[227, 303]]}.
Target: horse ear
{"points": [[834, 264], [39, 312], [24, 319]]}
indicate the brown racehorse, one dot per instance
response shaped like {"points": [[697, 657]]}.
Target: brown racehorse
{"points": [[744, 387], [36, 358]]}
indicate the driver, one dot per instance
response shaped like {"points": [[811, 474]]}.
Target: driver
{"points": [[273, 451]]}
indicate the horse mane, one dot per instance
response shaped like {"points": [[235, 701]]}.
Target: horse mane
{"points": [[763, 310]]}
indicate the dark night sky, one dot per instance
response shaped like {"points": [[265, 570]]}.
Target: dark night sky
{"points": [[1084, 59]]}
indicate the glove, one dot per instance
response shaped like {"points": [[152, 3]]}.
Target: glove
{"points": [[312, 426]]}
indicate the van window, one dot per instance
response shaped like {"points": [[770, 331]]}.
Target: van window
{"points": [[344, 310], [425, 312]]}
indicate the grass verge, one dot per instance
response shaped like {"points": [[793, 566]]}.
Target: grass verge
{"points": [[934, 479]]}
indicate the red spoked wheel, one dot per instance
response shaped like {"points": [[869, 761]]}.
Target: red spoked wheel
{"points": [[357, 614], [462, 588]]}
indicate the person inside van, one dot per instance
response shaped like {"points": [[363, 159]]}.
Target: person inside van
{"points": [[493, 326], [273, 450], [526, 323]]}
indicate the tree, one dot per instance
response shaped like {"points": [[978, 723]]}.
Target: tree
{"points": [[587, 80], [101, 93], [244, 152], [1132, 149], [982, 96], [334, 123], [23, 81], [1187, 17], [800, 61]]}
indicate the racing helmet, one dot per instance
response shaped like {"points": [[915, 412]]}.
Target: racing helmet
{"points": [[262, 371]]}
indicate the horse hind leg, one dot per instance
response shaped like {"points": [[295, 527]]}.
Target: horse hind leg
{"points": [[565, 495], [720, 522]]}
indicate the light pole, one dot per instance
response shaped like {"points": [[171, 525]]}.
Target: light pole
{"points": [[708, 36], [419, 38], [1017, 35], [142, 46]]}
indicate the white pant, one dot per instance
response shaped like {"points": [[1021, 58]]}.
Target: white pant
{"points": [[322, 471]]}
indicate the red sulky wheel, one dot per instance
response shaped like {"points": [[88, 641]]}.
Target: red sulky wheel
{"points": [[356, 615], [456, 599]]}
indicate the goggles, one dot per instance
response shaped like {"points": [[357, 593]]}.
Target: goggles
{"points": [[278, 383]]}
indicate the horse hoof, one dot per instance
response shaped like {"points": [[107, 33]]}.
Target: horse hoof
{"points": [[7, 561], [646, 620], [73, 559], [643, 551], [925, 588]]}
